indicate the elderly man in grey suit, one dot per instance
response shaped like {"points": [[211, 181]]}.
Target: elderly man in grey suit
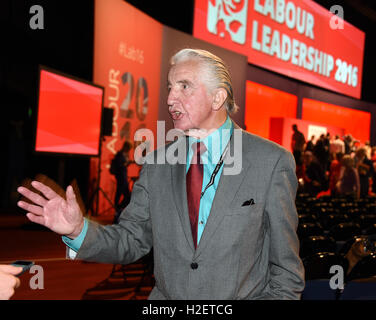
{"points": [[215, 235]]}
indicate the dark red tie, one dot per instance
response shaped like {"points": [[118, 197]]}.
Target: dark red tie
{"points": [[194, 186]]}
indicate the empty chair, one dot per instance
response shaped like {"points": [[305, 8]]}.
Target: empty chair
{"points": [[360, 202], [344, 231], [370, 230], [307, 218], [315, 244], [366, 220], [303, 210], [330, 220], [344, 207], [326, 198], [318, 265], [300, 209], [337, 202], [309, 229], [302, 197], [355, 213], [371, 208], [322, 204], [326, 210]]}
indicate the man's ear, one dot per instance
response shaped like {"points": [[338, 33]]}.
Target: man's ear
{"points": [[219, 98]]}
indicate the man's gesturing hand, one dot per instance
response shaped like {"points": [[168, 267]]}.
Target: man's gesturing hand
{"points": [[8, 280], [61, 216]]}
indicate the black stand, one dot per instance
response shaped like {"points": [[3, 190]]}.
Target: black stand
{"points": [[95, 194]]}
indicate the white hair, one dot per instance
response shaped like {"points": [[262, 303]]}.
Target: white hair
{"points": [[218, 75]]}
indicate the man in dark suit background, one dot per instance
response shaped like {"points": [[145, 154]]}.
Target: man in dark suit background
{"points": [[221, 220], [297, 144], [119, 167]]}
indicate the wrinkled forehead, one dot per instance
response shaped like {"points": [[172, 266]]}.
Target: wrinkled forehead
{"points": [[188, 70]]}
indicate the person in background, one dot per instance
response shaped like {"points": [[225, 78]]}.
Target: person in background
{"points": [[314, 177], [334, 172], [8, 280], [319, 151], [358, 250], [349, 143], [373, 159], [365, 170], [326, 159], [337, 145], [348, 182], [368, 148], [373, 154], [310, 144], [297, 144], [119, 168]]}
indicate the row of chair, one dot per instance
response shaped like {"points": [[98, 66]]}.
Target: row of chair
{"points": [[338, 218], [319, 266], [367, 204], [340, 232], [328, 228], [327, 221]]}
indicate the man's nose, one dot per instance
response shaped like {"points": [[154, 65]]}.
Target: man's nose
{"points": [[171, 97]]}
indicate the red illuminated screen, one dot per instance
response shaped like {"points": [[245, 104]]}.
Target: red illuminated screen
{"points": [[69, 115], [355, 122], [264, 103]]}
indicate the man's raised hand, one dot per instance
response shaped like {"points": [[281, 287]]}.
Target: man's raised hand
{"points": [[52, 211]]}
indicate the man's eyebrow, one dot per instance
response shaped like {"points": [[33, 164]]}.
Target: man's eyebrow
{"points": [[184, 81]]}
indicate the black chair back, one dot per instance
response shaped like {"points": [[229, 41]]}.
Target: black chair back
{"points": [[318, 265]]}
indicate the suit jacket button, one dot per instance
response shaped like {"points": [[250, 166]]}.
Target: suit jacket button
{"points": [[194, 265]]}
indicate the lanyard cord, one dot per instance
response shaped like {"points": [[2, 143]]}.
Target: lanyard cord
{"points": [[216, 169]]}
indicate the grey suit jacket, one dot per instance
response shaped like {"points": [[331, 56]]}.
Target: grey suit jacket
{"points": [[245, 252]]}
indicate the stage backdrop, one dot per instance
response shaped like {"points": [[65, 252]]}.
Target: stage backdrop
{"points": [[297, 38], [281, 130], [263, 103], [127, 55], [355, 122]]}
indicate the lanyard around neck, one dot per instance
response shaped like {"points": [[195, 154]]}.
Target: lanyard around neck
{"points": [[216, 169]]}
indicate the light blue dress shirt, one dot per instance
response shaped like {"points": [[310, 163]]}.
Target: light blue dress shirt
{"points": [[215, 144]]}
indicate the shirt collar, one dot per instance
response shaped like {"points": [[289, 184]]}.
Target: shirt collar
{"points": [[215, 142]]}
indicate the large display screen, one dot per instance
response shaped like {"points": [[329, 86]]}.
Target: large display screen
{"points": [[297, 38], [69, 115]]}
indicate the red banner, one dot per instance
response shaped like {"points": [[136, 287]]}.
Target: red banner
{"points": [[127, 58], [299, 39]]}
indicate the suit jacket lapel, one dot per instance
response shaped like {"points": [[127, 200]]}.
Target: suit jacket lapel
{"points": [[179, 190], [227, 188]]}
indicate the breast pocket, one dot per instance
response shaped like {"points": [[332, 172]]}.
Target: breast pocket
{"points": [[246, 220], [244, 210]]}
